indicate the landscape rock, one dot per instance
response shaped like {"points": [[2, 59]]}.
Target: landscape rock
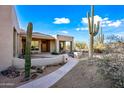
{"points": [[43, 67], [4, 73], [11, 72], [33, 71], [39, 70], [33, 67], [33, 76], [12, 68]]}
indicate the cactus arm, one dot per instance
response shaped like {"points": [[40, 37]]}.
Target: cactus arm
{"points": [[98, 25], [103, 38], [92, 18], [94, 30], [100, 37], [97, 29], [89, 23]]}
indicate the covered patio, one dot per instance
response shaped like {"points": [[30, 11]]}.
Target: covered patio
{"points": [[64, 44], [41, 43]]}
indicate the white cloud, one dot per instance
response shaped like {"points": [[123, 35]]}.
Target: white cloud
{"points": [[82, 28], [106, 18], [61, 21], [105, 22], [115, 24], [96, 18], [65, 32], [84, 20]]}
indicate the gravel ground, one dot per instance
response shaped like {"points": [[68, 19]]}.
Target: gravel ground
{"points": [[6, 82], [84, 75]]}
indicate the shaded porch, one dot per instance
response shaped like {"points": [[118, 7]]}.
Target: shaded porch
{"points": [[40, 43], [64, 44], [39, 46]]}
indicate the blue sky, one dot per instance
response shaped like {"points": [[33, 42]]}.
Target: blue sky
{"points": [[71, 19]]}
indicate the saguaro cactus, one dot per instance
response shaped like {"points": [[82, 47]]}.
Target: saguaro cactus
{"points": [[28, 51], [93, 30], [99, 41], [100, 37]]}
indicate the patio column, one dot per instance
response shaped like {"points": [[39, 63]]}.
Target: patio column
{"points": [[20, 46], [57, 46], [71, 46], [64, 43], [39, 46]]}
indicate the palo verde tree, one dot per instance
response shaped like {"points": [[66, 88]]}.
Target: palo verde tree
{"points": [[93, 30], [28, 51]]}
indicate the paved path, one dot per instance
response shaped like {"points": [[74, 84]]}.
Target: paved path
{"points": [[52, 78]]}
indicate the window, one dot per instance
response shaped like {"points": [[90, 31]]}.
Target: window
{"points": [[35, 45]]}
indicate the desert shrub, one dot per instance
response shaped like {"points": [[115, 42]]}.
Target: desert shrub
{"points": [[99, 48], [98, 51], [113, 70], [80, 45]]}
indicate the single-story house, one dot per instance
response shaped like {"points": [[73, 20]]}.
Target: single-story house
{"points": [[13, 38]]}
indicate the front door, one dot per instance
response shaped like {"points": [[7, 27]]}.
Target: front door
{"points": [[45, 46]]}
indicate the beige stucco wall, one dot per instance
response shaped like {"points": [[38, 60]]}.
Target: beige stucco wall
{"points": [[6, 37], [15, 19], [19, 63], [8, 21], [64, 38]]}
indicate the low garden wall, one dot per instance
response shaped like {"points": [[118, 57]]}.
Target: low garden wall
{"points": [[77, 54], [19, 63]]}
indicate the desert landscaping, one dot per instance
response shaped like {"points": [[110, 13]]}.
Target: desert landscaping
{"points": [[104, 71], [60, 60]]}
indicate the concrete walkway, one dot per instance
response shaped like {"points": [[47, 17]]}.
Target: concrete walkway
{"points": [[50, 79]]}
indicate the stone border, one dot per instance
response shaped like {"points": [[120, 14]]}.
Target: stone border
{"points": [[50, 79]]}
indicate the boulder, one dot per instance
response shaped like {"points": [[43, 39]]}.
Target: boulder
{"points": [[39, 70], [33, 76]]}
